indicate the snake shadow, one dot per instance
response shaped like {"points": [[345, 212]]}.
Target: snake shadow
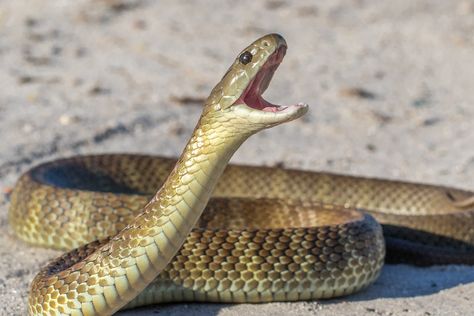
{"points": [[403, 281], [418, 263], [395, 281]]}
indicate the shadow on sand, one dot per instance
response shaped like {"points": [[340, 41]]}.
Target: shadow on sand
{"points": [[395, 281]]}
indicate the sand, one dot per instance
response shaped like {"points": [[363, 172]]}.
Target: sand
{"points": [[389, 85]]}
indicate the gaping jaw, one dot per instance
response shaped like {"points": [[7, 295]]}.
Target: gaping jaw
{"points": [[252, 98]]}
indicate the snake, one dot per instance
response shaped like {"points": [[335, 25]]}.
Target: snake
{"points": [[146, 230]]}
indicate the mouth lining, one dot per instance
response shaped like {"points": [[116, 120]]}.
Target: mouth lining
{"points": [[252, 96]]}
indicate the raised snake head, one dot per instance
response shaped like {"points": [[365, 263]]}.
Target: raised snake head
{"points": [[237, 98]]}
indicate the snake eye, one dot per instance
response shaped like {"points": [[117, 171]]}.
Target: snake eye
{"points": [[246, 57]]}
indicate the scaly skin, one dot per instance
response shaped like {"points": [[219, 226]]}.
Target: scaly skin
{"points": [[117, 271], [272, 242]]}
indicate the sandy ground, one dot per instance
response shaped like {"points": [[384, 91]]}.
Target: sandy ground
{"points": [[389, 84]]}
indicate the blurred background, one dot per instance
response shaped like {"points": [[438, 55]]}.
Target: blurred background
{"points": [[389, 84]]}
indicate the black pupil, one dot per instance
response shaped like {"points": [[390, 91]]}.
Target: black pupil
{"points": [[245, 58]]}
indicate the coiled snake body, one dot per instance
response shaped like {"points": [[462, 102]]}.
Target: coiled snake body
{"points": [[268, 234]]}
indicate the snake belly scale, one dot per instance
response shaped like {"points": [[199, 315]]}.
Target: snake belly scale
{"points": [[267, 234]]}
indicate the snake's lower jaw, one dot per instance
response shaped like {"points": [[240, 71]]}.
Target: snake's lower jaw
{"points": [[281, 114], [292, 112]]}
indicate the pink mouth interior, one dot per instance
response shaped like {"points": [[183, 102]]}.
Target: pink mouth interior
{"points": [[252, 96]]}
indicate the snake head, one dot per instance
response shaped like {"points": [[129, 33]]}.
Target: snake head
{"points": [[240, 91]]}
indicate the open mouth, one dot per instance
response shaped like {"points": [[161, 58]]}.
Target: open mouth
{"points": [[252, 96]]}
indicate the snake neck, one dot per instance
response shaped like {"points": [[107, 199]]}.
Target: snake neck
{"points": [[148, 244], [191, 182]]}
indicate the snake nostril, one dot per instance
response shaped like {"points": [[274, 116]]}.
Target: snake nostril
{"points": [[450, 196]]}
